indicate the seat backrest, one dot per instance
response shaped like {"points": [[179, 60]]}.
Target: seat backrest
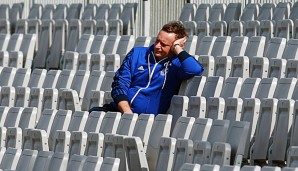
{"points": [[102, 12], [13, 117], [218, 131], [58, 46], [202, 13], [65, 79], [275, 48], [251, 28], [161, 128], [35, 11], [115, 11], [266, 11], [213, 87], [188, 12], [238, 46], [15, 42], [183, 127], [98, 44], [291, 49], [60, 11], [126, 124], [255, 46], [27, 159], [58, 161], [61, 122], [42, 160], [232, 12], [206, 45], [221, 46], [89, 12], [293, 14], [74, 11], [200, 129], [249, 87], [74, 34], [92, 163], [282, 11], [285, 88], [110, 122], [231, 87], [250, 12], [76, 162], [217, 12], [48, 11], [45, 42], [266, 88], [10, 158]]}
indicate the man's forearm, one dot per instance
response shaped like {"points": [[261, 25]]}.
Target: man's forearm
{"points": [[124, 107]]}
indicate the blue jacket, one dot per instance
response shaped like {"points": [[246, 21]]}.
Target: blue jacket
{"points": [[149, 85]]}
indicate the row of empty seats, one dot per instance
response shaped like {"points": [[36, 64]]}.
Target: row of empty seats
{"points": [[151, 142], [112, 18], [233, 11], [33, 160]]}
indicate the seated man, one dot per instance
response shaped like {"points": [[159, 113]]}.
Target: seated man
{"points": [[150, 76]]}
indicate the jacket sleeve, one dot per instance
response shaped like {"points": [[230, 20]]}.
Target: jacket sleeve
{"points": [[189, 66], [122, 80]]}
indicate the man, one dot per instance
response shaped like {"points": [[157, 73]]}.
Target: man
{"points": [[150, 76]]}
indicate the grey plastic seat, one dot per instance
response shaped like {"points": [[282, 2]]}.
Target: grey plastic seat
{"points": [[266, 11], [218, 28], [234, 146], [60, 11], [265, 125], [62, 138], [58, 161], [74, 11], [92, 163], [278, 149], [281, 11], [251, 28], [193, 86], [236, 28], [284, 28], [202, 149], [188, 12], [161, 128], [217, 12], [74, 34], [27, 160], [250, 12], [190, 167], [76, 162], [110, 163], [202, 12], [102, 12], [232, 12], [58, 45], [48, 11], [94, 83], [267, 29], [178, 107], [35, 11], [10, 158], [89, 11], [46, 37], [42, 160]]}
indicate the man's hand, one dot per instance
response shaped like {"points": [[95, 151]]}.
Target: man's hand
{"points": [[178, 45], [124, 107]]}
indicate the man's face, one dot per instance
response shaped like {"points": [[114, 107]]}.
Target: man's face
{"points": [[163, 45]]}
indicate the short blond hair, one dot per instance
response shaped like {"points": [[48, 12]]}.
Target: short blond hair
{"points": [[175, 27]]}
